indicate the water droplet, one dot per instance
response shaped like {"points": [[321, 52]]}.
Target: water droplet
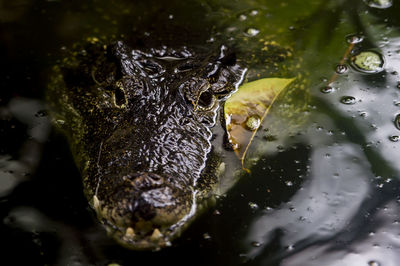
{"points": [[254, 13], [327, 89], [397, 121], [341, 69], [289, 183], [354, 38], [256, 244], [373, 263], [206, 236], [217, 212], [290, 247], [253, 122], [252, 32], [368, 62], [242, 17], [394, 138], [379, 3], [348, 100], [253, 205]]}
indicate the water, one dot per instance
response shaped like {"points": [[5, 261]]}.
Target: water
{"points": [[325, 192]]}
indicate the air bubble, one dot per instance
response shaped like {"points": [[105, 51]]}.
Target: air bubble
{"points": [[253, 205], [353, 39], [256, 244], [217, 212], [379, 3], [341, 69], [252, 32], [394, 138], [327, 89], [206, 236], [397, 121], [373, 263], [348, 100], [254, 13], [368, 62], [253, 122], [290, 247], [289, 183]]}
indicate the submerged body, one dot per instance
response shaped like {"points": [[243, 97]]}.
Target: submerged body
{"points": [[139, 124]]}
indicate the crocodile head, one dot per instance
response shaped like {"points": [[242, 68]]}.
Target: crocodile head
{"points": [[140, 129]]}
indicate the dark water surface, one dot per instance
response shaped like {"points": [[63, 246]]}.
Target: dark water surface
{"points": [[324, 193]]}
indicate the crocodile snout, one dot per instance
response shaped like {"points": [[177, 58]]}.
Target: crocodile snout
{"points": [[153, 205]]}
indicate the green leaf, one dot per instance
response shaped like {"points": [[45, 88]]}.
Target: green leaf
{"points": [[246, 109]]}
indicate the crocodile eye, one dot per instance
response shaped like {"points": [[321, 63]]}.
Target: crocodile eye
{"points": [[207, 101], [199, 93]]}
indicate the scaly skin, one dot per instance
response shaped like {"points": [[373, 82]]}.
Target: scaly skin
{"points": [[139, 125]]}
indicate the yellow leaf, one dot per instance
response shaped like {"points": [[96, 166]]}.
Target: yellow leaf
{"points": [[246, 109]]}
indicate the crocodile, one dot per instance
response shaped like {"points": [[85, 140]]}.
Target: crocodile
{"points": [[139, 123]]}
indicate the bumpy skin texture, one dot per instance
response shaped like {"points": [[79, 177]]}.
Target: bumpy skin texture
{"points": [[139, 124]]}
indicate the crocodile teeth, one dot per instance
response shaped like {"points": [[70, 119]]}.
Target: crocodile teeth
{"points": [[129, 232], [156, 235]]}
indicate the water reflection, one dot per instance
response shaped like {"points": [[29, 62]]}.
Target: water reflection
{"points": [[17, 167], [330, 197], [347, 212]]}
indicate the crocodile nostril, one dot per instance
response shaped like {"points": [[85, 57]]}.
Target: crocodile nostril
{"points": [[143, 210], [206, 99], [157, 205], [147, 181]]}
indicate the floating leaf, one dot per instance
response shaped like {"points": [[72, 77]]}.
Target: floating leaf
{"points": [[246, 109]]}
